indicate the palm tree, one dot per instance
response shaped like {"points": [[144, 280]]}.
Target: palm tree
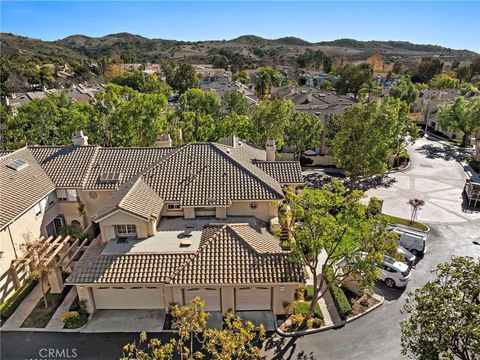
{"points": [[266, 78], [416, 205]]}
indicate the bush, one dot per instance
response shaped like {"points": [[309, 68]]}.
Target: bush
{"points": [[8, 307], [341, 302], [301, 308], [475, 165], [74, 319], [309, 292], [296, 320]]}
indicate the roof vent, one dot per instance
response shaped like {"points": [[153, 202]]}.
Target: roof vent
{"points": [[17, 164], [109, 177], [228, 151]]}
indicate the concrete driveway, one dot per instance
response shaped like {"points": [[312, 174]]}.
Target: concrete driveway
{"points": [[109, 321], [267, 318], [436, 175]]}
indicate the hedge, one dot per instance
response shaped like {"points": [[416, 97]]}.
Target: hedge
{"points": [[8, 307], [301, 308], [343, 305], [309, 292]]}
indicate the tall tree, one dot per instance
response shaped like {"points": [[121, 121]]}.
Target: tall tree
{"points": [[270, 118], [362, 141], [233, 124], [352, 78], [461, 114], [241, 76], [234, 102], [443, 81], [404, 90], [427, 69], [335, 223], [444, 314], [303, 131], [139, 81], [184, 78], [264, 81]]}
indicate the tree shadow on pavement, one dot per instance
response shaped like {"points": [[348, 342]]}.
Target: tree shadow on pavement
{"points": [[389, 293], [284, 348], [443, 152], [375, 182]]}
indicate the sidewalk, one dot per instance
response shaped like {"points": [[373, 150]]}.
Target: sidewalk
{"points": [[25, 308], [55, 322]]}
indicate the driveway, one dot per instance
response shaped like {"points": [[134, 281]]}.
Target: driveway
{"points": [[436, 176], [109, 321]]}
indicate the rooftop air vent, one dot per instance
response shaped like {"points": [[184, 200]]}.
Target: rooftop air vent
{"points": [[109, 177], [17, 164]]}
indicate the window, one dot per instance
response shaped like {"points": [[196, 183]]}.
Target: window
{"points": [[67, 195], [37, 209], [17, 164], [58, 224], [253, 205], [126, 230], [173, 207], [109, 177]]}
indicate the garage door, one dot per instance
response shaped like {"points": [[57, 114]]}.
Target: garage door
{"points": [[253, 298], [129, 298], [211, 297]]}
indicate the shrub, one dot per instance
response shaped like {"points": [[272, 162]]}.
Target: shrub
{"points": [[74, 319], [309, 292], [341, 302], [301, 308], [296, 320], [475, 165], [8, 307], [299, 293]]}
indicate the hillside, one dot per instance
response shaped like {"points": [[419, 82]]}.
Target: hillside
{"points": [[252, 48]]}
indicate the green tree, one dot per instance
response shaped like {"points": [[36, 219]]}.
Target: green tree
{"points": [[352, 78], [234, 124], [182, 77], [265, 79], [303, 131], [362, 141], [427, 69], [443, 314], [404, 90], [270, 116], [336, 223], [241, 76], [443, 81], [464, 73], [461, 114], [234, 102], [139, 81], [219, 61]]}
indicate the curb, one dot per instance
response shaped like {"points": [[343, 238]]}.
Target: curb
{"points": [[77, 330], [400, 170], [444, 141], [333, 326]]}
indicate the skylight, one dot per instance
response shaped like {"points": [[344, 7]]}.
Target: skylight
{"points": [[17, 164], [109, 177]]}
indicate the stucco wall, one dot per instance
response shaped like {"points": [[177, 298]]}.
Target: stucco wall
{"points": [[91, 205], [265, 210], [122, 218], [28, 223]]}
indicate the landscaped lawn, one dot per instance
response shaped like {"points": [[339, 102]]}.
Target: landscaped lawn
{"points": [[40, 316], [400, 221]]}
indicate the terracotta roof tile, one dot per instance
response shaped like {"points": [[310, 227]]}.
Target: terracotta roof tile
{"points": [[21, 189], [285, 172]]}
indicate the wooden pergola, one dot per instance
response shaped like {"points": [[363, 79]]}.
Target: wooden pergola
{"points": [[472, 190], [54, 254]]}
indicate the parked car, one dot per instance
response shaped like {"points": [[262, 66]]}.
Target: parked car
{"points": [[413, 240], [395, 273], [407, 255]]}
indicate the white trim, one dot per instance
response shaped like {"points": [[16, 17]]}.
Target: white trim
{"points": [[123, 211]]}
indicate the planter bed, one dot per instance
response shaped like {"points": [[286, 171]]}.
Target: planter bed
{"points": [[359, 303], [300, 309], [8, 307], [400, 221], [40, 316]]}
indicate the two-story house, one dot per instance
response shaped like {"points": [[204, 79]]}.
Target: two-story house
{"points": [[175, 222]]}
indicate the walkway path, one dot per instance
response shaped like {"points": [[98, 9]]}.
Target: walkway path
{"points": [[55, 322], [437, 176], [25, 308]]}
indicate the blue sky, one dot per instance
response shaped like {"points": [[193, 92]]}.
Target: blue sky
{"points": [[452, 24]]}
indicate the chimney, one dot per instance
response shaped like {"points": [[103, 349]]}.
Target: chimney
{"points": [[79, 139], [309, 95], [271, 149], [164, 140]]}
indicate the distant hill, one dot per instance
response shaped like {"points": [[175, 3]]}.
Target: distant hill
{"points": [[252, 48]]}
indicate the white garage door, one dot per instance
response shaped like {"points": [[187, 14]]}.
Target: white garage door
{"points": [[129, 298], [211, 297], [253, 298]]}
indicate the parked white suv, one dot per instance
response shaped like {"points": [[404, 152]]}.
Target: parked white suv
{"points": [[395, 273]]}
